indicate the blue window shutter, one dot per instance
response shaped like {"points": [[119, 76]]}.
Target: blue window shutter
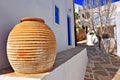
{"points": [[57, 15]]}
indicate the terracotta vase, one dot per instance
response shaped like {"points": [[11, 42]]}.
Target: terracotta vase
{"points": [[31, 46]]}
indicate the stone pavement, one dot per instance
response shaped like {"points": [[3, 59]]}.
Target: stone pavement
{"points": [[101, 66]]}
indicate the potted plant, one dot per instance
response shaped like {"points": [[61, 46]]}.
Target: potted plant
{"points": [[90, 38]]}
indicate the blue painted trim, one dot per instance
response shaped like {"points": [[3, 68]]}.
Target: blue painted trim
{"points": [[57, 19], [69, 30]]}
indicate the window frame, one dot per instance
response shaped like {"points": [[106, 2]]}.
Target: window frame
{"points": [[57, 15]]}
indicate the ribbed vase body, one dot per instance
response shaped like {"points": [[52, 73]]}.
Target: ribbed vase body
{"points": [[31, 46]]}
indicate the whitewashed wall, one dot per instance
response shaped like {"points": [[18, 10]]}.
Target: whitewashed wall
{"points": [[118, 33], [61, 30], [73, 69], [11, 11]]}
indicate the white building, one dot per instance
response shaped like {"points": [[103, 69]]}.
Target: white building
{"points": [[83, 20], [78, 7], [117, 29], [58, 14]]}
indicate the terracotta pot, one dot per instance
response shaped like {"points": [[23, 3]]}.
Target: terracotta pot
{"points": [[31, 46]]}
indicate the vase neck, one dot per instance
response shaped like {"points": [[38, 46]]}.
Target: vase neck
{"points": [[32, 19]]}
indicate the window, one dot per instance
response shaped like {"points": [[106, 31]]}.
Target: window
{"points": [[57, 15], [83, 16]]}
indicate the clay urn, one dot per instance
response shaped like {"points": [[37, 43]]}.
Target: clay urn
{"points": [[31, 46]]}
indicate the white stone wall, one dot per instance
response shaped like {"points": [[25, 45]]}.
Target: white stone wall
{"points": [[78, 7], [11, 11], [73, 69], [61, 30], [118, 33]]}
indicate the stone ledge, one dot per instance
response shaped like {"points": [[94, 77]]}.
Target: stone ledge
{"points": [[18, 76], [63, 64]]}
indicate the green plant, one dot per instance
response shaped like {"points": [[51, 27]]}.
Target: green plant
{"points": [[91, 33]]}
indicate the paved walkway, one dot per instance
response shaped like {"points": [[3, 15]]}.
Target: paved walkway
{"points": [[101, 66]]}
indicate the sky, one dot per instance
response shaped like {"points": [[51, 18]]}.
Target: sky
{"points": [[81, 1]]}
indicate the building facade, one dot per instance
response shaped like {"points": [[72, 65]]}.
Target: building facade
{"points": [[58, 15], [83, 18]]}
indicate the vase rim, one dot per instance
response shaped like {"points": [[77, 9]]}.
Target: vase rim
{"points": [[32, 19]]}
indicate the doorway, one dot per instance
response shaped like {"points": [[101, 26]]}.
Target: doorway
{"points": [[69, 30]]}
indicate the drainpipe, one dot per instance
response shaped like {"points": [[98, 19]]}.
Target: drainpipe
{"points": [[74, 25]]}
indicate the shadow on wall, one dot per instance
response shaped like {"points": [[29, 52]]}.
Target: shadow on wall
{"points": [[6, 24], [9, 16]]}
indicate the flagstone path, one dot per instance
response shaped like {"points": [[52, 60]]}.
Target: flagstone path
{"points": [[101, 66]]}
